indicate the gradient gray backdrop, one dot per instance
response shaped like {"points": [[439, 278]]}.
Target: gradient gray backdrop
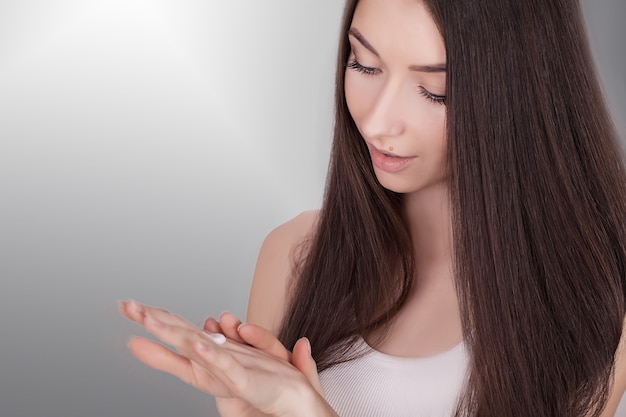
{"points": [[146, 149]]}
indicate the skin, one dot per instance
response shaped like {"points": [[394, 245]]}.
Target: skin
{"points": [[258, 381], [396, 104]]}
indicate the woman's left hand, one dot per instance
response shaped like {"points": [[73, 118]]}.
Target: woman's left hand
{"points": [[222, 367]]}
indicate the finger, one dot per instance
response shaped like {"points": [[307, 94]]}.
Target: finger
{"points": [[136, 311], [166, 317], [305, 363], [251, 378], [163, 359], [222, 364], [177, 336], [229, 324], [132, 310], [211, 325], [181, 338], [264, 340]]}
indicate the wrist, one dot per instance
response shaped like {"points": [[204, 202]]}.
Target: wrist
{"points": [[312, 404]]}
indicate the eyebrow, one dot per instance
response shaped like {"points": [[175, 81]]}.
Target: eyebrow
{"points": [[429, 68], [419, 68], [354, 32]]}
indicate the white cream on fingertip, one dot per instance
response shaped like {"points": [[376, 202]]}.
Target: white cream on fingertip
{"points": [[216, 338]]}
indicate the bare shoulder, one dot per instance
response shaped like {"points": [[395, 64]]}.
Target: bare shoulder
{"points": [[268, 293]]}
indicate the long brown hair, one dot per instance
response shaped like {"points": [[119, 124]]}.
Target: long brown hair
{"points": [[538, 190]]}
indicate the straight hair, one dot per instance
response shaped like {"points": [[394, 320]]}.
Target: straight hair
{"points": [[538, 191]]}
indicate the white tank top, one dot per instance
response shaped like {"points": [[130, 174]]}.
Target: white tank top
{"points": [[380, 385]]}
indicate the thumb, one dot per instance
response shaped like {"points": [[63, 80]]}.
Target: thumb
{"points": [[304, 362]]}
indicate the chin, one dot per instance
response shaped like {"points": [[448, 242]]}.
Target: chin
{"points": [[402, 185]]}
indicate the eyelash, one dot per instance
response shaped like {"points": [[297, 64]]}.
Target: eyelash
{"points": [[355, 65], [432, 97]]}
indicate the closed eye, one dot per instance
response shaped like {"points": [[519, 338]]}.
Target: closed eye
{"points": [[432, 97], [354, 64]]}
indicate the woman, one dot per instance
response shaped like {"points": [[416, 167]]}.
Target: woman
{"points": [[473, 211]]}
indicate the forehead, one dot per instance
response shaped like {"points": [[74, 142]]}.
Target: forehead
{"points": [[400, 30]]}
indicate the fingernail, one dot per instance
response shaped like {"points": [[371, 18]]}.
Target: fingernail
{"points": [[136, 306], [216, 338], [308, 345], [239, 327]]}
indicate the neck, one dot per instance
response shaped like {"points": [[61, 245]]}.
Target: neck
{"points": [[430, 223]]}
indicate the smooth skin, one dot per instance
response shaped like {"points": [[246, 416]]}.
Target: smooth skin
{"points": [[396, 97], [395, 87], [251, 351], [249, 380]]}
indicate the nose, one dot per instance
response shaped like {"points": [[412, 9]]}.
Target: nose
{"points": [[383, 117]]}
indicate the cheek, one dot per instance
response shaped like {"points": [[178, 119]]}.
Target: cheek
{"points": [[429, 123], [352, 95], [440, 145], [360, 95], [437, 128]]}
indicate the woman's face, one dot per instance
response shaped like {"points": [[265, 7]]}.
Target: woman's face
{"points": [[395, 86]]}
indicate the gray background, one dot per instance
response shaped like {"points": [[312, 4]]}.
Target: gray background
{"points": [[146, 149]]}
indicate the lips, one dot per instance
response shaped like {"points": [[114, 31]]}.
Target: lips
{"points": [[389, 162]]}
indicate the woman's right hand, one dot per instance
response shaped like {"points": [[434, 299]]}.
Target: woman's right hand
{"points": [[264, 340]]}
